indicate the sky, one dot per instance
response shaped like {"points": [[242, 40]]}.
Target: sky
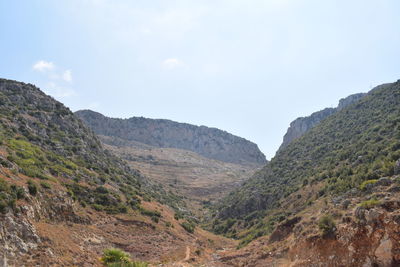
{"points": [[249, 67]]}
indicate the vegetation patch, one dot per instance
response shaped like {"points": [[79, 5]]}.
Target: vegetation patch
{"points": [[114, 257], [153, 214], [327, 225], [348, 150], [368, 204], [100, 198], [32, 187], [9, 194], [188, 226]]}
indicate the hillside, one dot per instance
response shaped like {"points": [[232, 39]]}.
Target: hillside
{"points": [[339, 160], [64, 198], [301, 125], [199, 179], [208, 142]]}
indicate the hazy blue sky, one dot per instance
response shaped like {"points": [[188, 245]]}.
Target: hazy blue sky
{"points": [[249, 67]]}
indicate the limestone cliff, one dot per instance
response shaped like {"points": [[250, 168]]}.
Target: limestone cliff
{"points": [[208, 142], [301, 125]]}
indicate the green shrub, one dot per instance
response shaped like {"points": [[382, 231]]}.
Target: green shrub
{"points": [[130, 264], [18, 191], [178, 216], [32, 187], [3, 206], [115, 255], [189, 227], [9, 195], [150, 213], [327, 225], [155, 219], [368, 204], [364, 184], [45, 185]]}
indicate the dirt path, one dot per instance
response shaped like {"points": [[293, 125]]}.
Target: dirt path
{"points": [[183, 262], [187, 257]]}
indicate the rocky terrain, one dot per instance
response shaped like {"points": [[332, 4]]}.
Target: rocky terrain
{"points": [[364, 231], [64, 199], [208, 142], [199, 179], [301, 125], [329, 198]]}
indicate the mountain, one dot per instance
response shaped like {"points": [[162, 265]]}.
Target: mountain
{"points": [[208, 142], [301, 125], [325, 193], [64, 198]]}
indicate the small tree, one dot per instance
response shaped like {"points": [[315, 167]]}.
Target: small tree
{"points": [[32, 187], [327, 225]]}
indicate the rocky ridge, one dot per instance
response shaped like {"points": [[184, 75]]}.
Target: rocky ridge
{"points": [[301, 125], [208, 142]]}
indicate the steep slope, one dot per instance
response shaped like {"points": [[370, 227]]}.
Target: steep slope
{"points": [[208, 142], [64, 198], [358, 143], [301, 125]]}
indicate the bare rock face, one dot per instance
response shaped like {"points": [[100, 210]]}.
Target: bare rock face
{"points": [[302, 125], [284, 229], [208, 142], [344, 102], [383, 253], [397, 167], [17, 237]]}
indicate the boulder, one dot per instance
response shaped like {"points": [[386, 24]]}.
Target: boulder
{"points": [[284, 229], [384, 181], [397, 167], [359, 213], [372, 216]]}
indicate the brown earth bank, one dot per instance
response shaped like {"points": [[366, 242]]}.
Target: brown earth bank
{"points": [[61, 232], [366, 233]]}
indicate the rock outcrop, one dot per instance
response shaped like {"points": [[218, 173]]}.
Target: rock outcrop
{"points": [[208, 142], [302, 125]]}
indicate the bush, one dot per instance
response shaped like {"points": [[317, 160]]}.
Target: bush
{"points": [[150, 213], [155, 219], [18, 191], [189, 227], [130, 264], [368, 204], [32, 187], [178, 216], [327, 225], [45, 185], [115, 255]]}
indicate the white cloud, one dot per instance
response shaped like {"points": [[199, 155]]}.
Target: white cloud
{"points": [[58, 91], [67, 76], [43, 66], [55, 79], [172, 63]]}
